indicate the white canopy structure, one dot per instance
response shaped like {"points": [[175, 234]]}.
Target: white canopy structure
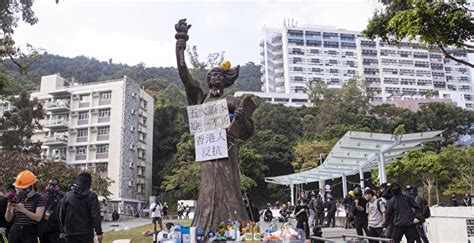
{"points": [[357, 152]]}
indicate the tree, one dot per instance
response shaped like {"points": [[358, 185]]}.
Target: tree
{"points": [[307, 153], [18, 124], [452, 120], [12, 162], [276, 151], [460, 163], [436, 24], [184, 174]]}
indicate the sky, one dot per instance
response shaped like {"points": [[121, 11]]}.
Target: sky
{"points": [[133, 32]]}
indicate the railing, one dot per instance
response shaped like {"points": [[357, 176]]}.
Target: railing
{"points": [[55, 139], [367, 238], [58, 104], [56, 157], [58, 122]]}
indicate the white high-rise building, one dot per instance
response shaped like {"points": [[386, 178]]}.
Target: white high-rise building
{"points": [[293, 57], [105, 126]]}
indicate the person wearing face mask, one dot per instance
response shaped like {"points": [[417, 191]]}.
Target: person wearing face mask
{"points": [[49, 233], [301, 215], [79, 212], [402, 208], [25, 210]]}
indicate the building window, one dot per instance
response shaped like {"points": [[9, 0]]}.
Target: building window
{"points": [[144, 120], [103, 149], [82, 132], [85, 98], [104, 113], [81, 150], [83, 115], [106, 95], [103, 131]]}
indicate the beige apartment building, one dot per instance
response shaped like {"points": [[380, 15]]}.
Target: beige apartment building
{"points": [[105, 126]]}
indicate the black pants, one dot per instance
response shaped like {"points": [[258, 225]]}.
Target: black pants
{"points": [[80, 239], [304, 226], [409, 232], [23, 234], [421, 233], [331, 219], [51, 237], [375, 232], [361, 226], [320, 221]]}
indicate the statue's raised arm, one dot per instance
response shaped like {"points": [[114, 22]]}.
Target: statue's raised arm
{"points": [[193, 90]]}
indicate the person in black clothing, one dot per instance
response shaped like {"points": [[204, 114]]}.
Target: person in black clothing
{"points": [[331, 208], [402, 208], [4, 225], [80, 212], [454, 200], [115, 216], [412, 191], [317, 231], [359, 211], [301, 215], [164, 209], [319, 206], [385, 194], [284, 214], [347, 202], [268, 215], [50, 230]]}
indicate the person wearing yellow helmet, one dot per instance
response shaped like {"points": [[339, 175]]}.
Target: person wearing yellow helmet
{"points": [[25, 210]]}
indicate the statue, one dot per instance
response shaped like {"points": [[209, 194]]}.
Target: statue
{"points": [[220, 197]]}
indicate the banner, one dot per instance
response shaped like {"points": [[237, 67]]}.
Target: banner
{"points": [[208, 116], [210, 145]]}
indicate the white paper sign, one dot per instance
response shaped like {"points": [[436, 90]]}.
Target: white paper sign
{"points": [[208, 116], [210, 145]]}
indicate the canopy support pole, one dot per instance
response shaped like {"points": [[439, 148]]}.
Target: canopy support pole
{"points": [[344, 185], [361, 177], [383, 175], [292, 190]]}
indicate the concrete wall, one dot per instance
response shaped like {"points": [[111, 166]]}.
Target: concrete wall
{"points": [[448, 224]]}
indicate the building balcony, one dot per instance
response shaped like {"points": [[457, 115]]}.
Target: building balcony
{"points": [[102, 156], [57, 124], [58, 106], [56, 157], [55, 141]]}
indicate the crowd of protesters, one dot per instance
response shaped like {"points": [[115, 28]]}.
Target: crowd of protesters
{"points": [[389, 212], [28, 215]]}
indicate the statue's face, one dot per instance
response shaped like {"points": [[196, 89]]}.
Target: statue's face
{"points": [[216, 81]]}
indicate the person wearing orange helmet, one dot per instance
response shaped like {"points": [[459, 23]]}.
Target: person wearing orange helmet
{"points": [[25, 210]]}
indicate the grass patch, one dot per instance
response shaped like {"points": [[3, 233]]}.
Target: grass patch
{"points": [[135, 234]]}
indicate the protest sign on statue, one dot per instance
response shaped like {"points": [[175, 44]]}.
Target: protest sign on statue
{"points": [[208, 116], [210, 145]]}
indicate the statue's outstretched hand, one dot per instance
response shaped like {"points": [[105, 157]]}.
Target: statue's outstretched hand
{"points": [[182, 33], [182, 26]]}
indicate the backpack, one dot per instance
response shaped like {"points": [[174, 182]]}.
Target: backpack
{"points": [[426, 210]]}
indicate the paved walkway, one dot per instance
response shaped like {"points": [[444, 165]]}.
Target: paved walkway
{"points": [[125, 223]]}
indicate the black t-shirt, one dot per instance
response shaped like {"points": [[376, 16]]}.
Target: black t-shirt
{"points": [[304, 215], [268, 216], [358, 213], [284, 212]]}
